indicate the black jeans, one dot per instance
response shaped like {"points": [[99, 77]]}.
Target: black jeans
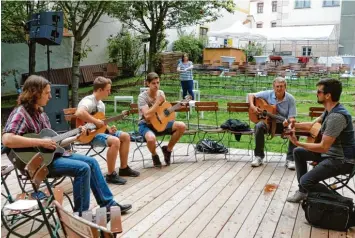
{"points": [[327, 168], [260, 130], [187, 86]]}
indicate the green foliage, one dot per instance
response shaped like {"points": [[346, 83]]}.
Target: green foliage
{"points": [[153, 17], [253, 49], [191, 45], [126, 50]]}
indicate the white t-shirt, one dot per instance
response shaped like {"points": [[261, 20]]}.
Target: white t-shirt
{"points": [[91, 104]]}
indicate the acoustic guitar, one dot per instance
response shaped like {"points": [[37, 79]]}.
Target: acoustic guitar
{"points": [[313, 135], [267, 112], [21, 156], [94, 131], [165, 113]]}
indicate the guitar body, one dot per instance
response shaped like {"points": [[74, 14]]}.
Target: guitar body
{"points": [[21, 156], [264, 106], [91, 133], [314, 134], [162, 116]]}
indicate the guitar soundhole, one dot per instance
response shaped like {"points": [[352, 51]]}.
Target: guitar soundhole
{"points": [[166, 112]]}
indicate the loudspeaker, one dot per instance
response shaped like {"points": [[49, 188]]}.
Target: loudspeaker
{"points": [[47, 18], [46, 35], [55, 106]]}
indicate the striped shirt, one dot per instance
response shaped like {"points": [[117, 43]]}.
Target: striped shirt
{"points": [[185, 75], [20, 122]]}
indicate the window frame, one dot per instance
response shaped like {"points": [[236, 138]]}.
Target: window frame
{"points": [[260, 6], [305, 4], [274, 6]]}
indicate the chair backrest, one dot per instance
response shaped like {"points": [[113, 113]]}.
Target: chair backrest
{"points": [[315, 111], [206, 107], [133, 110], [238, 107], [69, 115], [77, 227], [36, 171]]}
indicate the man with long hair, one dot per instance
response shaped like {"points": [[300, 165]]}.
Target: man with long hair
{"points": [[28, 117], [335, 149], [116, 140]]}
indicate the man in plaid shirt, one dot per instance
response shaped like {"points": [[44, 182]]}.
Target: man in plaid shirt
{"points": [[29, 117]]}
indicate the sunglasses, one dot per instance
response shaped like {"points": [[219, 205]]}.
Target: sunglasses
{"points": [[320, 91]]}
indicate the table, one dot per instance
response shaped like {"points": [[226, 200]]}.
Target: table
{"points": [[260, 59], [122, 98], [289, 60], [303, 59], [228, 59]]}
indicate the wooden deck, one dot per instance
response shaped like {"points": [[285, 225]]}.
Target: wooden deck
{"points": [[211, 198]]}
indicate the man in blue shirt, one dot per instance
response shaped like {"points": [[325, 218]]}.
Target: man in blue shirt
{"points": [[286, 107]]}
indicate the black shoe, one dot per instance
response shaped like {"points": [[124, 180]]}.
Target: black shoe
{"points": [[124, 208], [115, 179], [128, 172], [156, 161], [167, 154]]}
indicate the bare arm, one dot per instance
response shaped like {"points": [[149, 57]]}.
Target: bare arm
{"points": [[251, 97], [149, 112], [306, 126], [83, 114], [321, 147]]}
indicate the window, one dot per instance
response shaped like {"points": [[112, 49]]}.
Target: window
{"points": [[302, 3], [331, 3], [273, 24], [260, 7], [306, 50], [274, 6], [203, 32], [259, 25]]}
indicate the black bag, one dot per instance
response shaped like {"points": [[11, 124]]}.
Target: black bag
{"points": [[135, 136], [211, 147], [235, 125], [328, 211]]}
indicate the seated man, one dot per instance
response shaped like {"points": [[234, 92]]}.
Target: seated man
{"points": [[117, 141], [148, 102], [286, 107], [336, 146], [29, 117]]}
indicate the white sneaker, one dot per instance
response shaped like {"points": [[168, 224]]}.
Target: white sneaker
{"points": [[290, 165], [257, 161]]}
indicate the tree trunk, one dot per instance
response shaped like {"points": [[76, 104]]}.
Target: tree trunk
{"points": [[76, 72], [32, 57], [152, 52]]}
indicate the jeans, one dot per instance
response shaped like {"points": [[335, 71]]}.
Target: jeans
{"points": [[187, 85], [87, 174], [260, 130], [327, 168], [100, 140]]}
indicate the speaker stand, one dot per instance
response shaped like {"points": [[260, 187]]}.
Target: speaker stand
{"points": [[48, 63]]}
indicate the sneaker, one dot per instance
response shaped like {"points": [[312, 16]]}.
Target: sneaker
{"points": [[297, 197], [257, 161], [167, 154], [290, 165], [128, 172], [115, 179], [156, 161]]}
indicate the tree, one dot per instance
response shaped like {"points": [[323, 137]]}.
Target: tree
{"points": [[153, 17], [81, 17], [14, 15]]}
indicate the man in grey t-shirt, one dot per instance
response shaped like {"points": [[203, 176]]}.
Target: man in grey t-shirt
{"points": [[335, 149], [148, 102]]}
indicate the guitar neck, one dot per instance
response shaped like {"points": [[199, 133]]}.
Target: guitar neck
{"points": [[66, 135], [116, 118]]}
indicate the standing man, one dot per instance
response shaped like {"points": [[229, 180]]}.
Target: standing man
{"points": [[117, 141], [29, 117], [148, 102], [286, 107], [335, 149]]}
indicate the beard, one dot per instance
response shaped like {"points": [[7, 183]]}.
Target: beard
{"points": [[320, 101]]}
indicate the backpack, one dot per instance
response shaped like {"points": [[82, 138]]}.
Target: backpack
{"points": [[211, 147], [329, 211], [235, 125], [135, 136]]}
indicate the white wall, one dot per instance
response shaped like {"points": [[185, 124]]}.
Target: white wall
{"points": [[266, 17], [97, 39]]}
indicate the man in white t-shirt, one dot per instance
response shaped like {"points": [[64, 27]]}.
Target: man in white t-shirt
{"points": [[117, 141]]}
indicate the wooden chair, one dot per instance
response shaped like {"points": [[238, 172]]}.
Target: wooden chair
{"points": [[209, 107], [79, 227], [315, 112], [69, 115], [14, 218], [239, 108]]}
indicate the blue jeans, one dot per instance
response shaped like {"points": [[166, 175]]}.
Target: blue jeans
{"points": [[327, 168], [187, 85], [87, 174], [143, 128]]}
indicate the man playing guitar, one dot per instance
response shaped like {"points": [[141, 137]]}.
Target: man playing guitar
{"points": [[148, 102], [117, 141], [29, 117], [286, 107], [336, 148]]}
